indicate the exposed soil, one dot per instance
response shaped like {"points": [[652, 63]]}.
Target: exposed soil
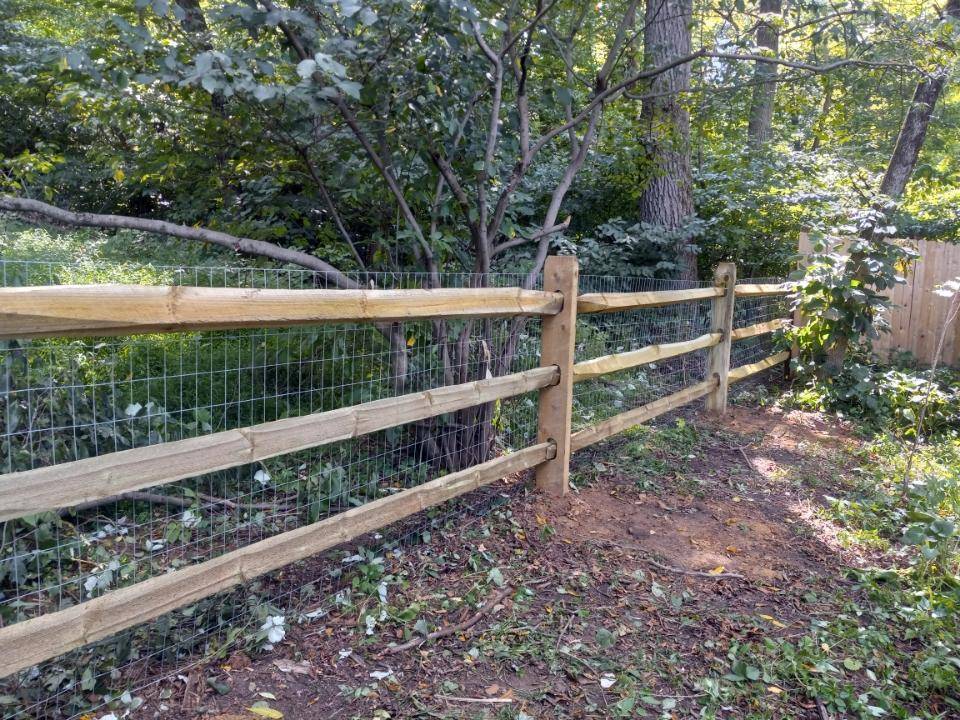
{"points": [[603, 588]]}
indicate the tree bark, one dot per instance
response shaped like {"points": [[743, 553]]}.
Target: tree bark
{"points": [[819, 126], [667, 200], [193, 20], [760, 126]]}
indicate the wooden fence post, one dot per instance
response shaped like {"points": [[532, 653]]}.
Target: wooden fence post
{"points": [[560, 274], [721, 319]]}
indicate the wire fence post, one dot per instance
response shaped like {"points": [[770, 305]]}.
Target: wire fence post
{"points": [[721, 320], [560, 274]]}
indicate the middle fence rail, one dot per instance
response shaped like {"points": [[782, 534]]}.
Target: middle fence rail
{"points": [[56, 311]]}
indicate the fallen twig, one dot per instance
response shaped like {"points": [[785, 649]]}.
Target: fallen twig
{"points": [[746, 459], [455, 698], [679, 571], [159, 499], [451, 629], [696, 573]]}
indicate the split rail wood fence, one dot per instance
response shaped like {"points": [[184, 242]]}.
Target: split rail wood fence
{"points": [[55, 311]]}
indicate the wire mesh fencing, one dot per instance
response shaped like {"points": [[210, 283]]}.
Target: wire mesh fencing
{"points": [[752, 310], [619, 332], [68, 399]]}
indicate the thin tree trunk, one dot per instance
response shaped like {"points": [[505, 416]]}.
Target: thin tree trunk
{"points": [[912, 134], [667, 200], [760, 126], [194, 24], [915, 123]]}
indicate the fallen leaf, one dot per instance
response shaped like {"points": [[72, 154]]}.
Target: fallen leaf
{"points": [[732, 549], [267, 712], [267, 695], [717, 570], [297, 668], [774, 689]]}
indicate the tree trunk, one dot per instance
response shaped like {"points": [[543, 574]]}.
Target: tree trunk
{"points": [[914, 128], [764, 75], [667, 200], [912, 134], [819, 126]]}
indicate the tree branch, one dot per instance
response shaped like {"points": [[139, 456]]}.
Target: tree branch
{"points": [[162, 227], [533, 238], [615, 90], [527, 28], [331, 208]]}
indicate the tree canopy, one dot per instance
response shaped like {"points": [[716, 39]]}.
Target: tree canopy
{"points": [[391, 135]]}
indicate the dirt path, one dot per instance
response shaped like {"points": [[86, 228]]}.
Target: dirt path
{"points": [[629, 598]]}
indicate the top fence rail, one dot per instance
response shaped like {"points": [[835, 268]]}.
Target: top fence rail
{"points": [[60, 310], [76, 310]]}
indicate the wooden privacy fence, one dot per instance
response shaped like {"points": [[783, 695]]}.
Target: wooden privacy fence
{"points": [[917, 315], [54, 311]]}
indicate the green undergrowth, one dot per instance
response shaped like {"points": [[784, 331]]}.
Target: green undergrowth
{"points": [[897, 629]]}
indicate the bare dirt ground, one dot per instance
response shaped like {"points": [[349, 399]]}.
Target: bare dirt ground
{"points": [[626, 598]]}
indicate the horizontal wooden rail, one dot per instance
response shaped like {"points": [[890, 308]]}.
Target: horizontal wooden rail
{"points": [[619, 423], [756, 290], [32, 641], [72, 310], [615, 302], [745, 371], [82, 481], [759, 329], [596, 367]]}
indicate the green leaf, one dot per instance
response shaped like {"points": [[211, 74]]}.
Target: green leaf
{"points": [[306, 68], [221, 687], [351, 88], [605, 638]]}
